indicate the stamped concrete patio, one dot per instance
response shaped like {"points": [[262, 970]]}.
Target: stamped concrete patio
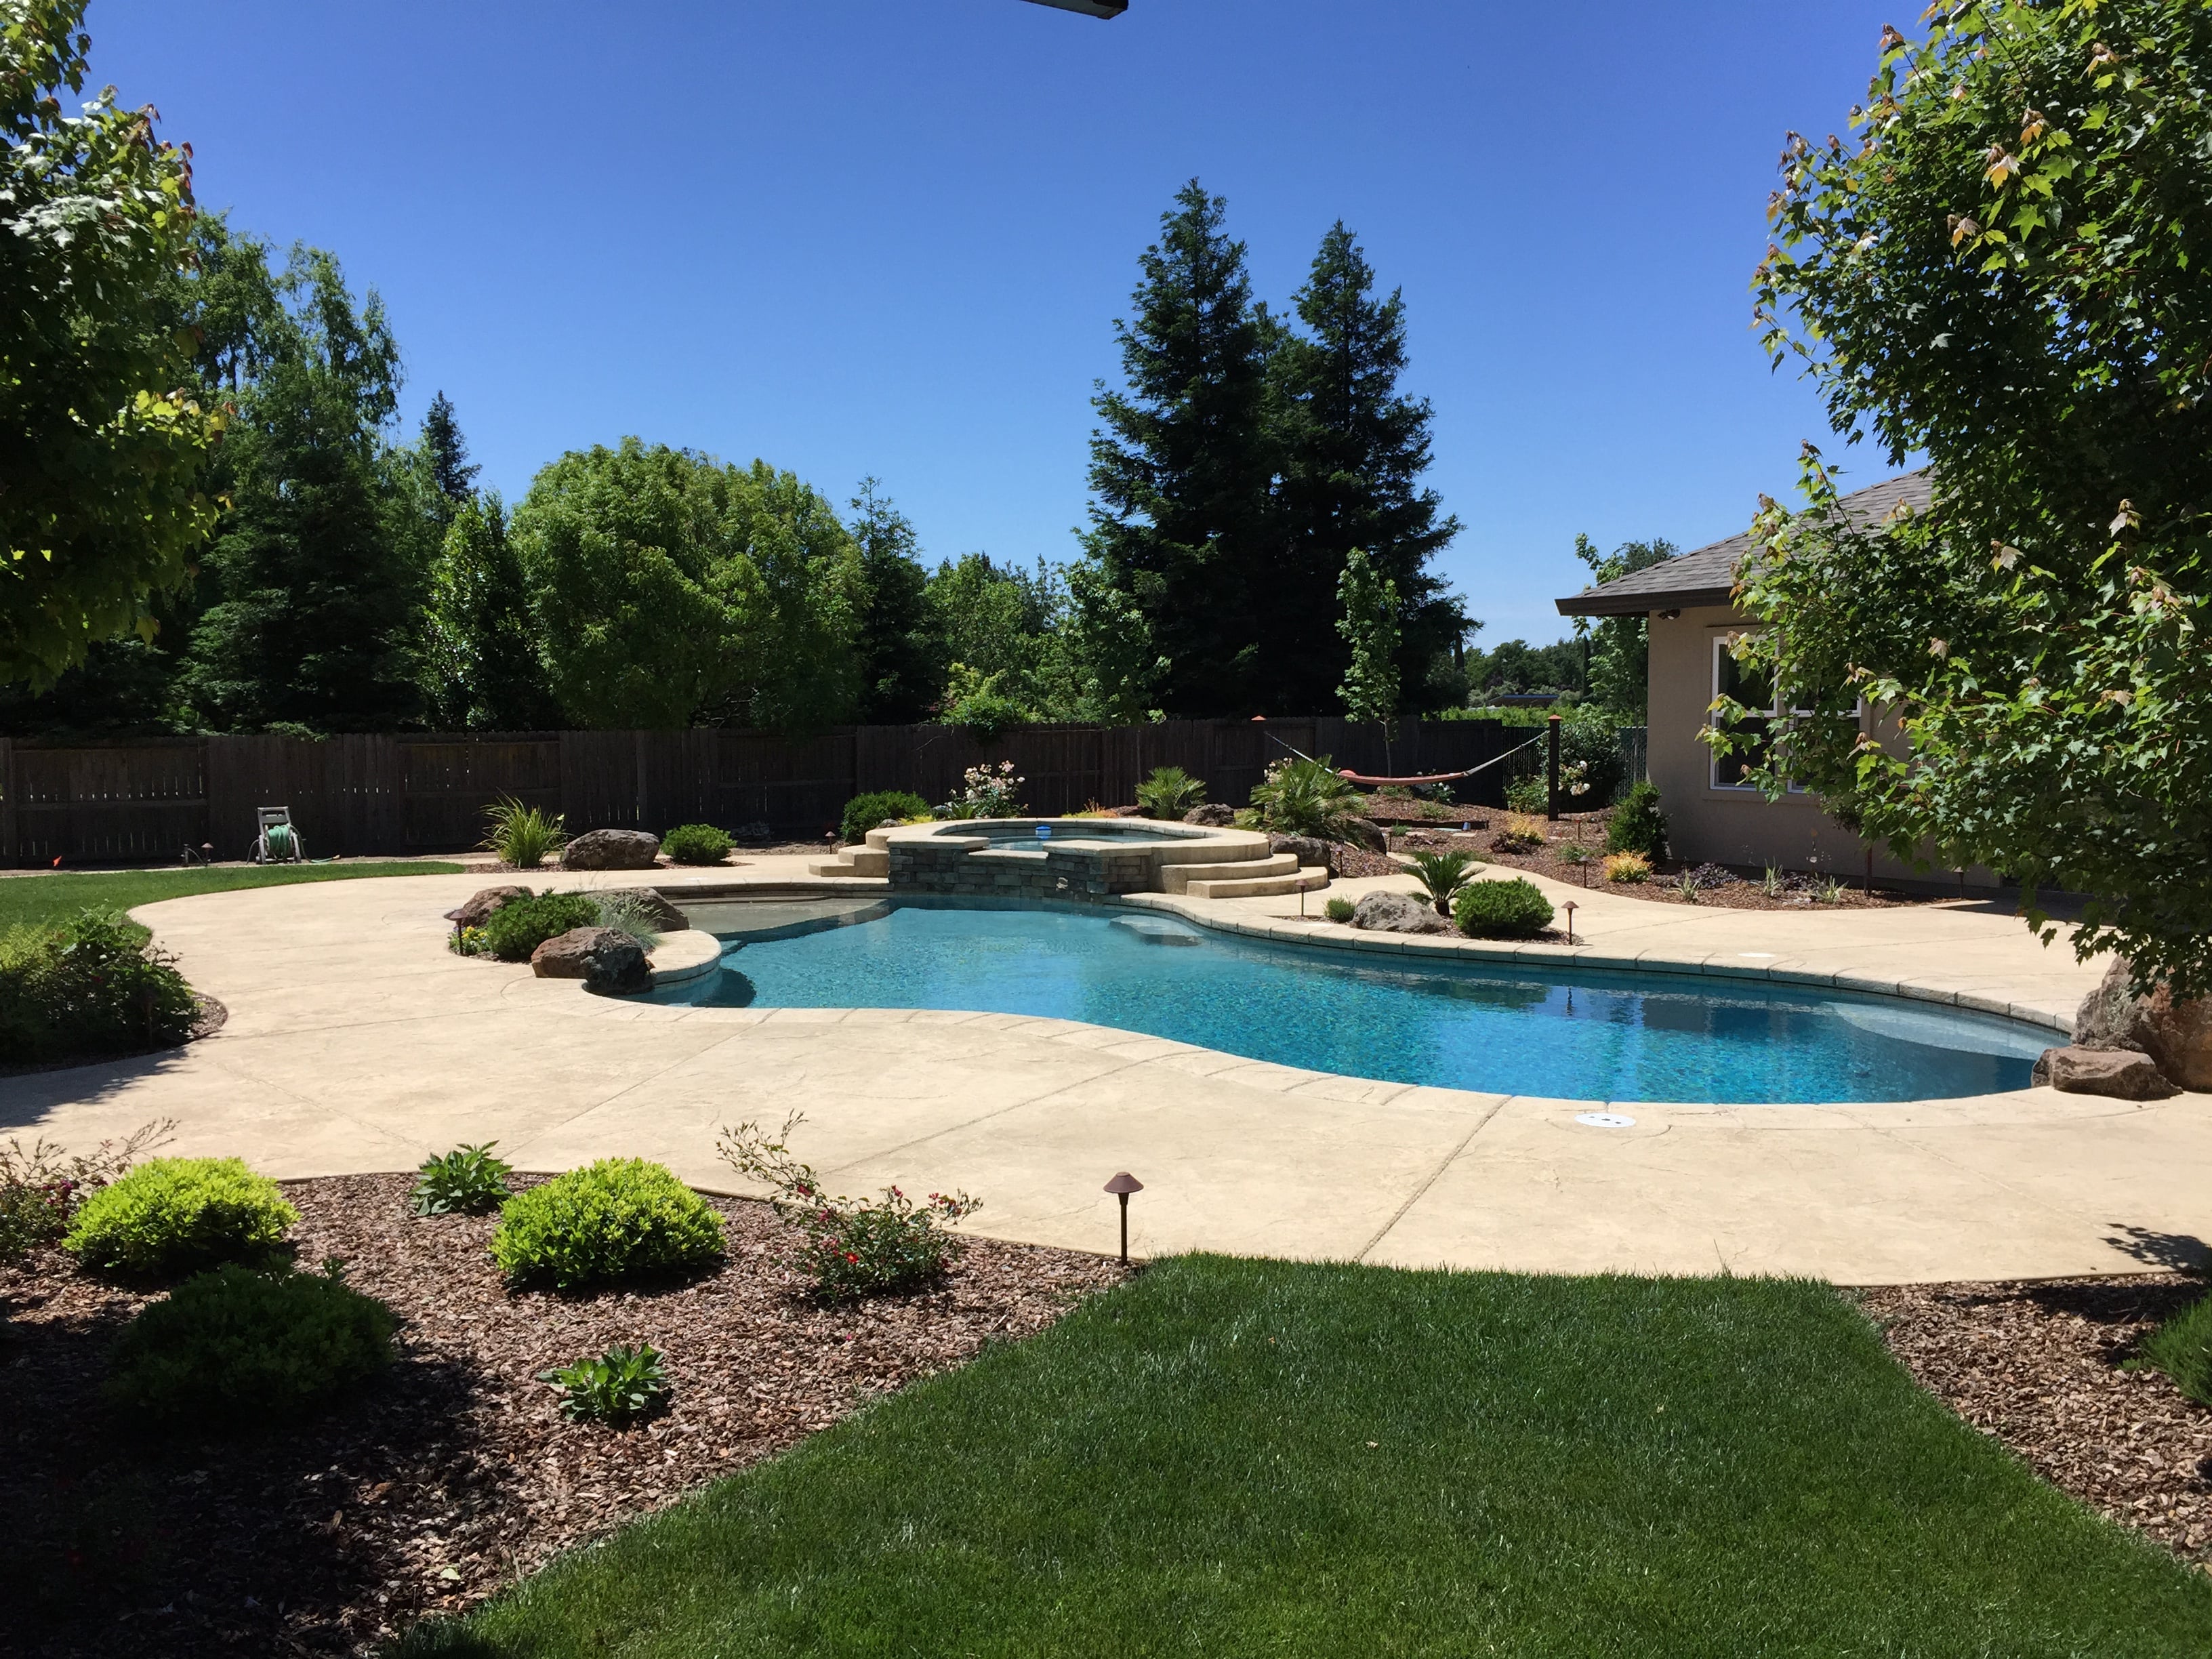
{"points": [[356, 1042]]}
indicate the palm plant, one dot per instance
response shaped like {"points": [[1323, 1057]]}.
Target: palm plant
{"points": [[1444, 874], [1305, 797], [1170, 792], [523, 837]]}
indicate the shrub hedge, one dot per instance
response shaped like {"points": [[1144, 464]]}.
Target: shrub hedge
{"points": [[1638, 825], [235, 1347], [177, 1215], [620, 1217], [516, 929], [89, 986], [1502, 909], [864, 813], [696, 843]]}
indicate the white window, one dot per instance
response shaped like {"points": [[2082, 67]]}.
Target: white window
{"points": [[1754, 688]]}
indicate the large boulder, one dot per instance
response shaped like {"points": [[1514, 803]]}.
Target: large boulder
{"points": [[1398, 913], [1313, 854], [1363, 832], [2178, 1036], [604, 959], [665, 916], [611, 849], [2122, 1074], [1213, 815], [478, 911]]}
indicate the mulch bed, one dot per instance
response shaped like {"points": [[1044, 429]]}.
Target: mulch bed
{"points": [[2039, 1367], [455, 1473], [212, 1018]]}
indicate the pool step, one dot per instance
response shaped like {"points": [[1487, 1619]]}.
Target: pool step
{"points": [[1310, 879], [855, 861], [1180, 878]]}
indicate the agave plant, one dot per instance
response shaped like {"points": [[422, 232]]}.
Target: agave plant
{"points": [[1304, 797], [1444, 874], [1170, 792]]}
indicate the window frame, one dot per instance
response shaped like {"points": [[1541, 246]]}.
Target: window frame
{"points": [[1722, 639]]}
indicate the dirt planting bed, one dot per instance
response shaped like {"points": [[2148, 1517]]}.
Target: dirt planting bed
{"points": [[2043, 1367], [456, 1472]]}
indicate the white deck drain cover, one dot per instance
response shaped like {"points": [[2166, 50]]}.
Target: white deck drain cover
{"points": [[1606, 1120]]}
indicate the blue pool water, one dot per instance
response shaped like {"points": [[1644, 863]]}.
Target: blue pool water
{"points": [[1492, 1027]]}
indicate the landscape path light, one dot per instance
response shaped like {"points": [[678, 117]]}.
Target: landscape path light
{"points": [[1121, 1186], [1571, 921]]}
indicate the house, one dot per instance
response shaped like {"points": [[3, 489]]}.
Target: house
{"points": [[1712, 813]]}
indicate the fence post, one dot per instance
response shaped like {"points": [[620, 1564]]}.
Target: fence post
{"points": [[1552, 770]]}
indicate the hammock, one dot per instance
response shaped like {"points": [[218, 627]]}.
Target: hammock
{"points": [[1364, 781]]}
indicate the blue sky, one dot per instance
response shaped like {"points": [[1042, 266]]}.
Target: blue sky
{"points": [[889, 237]]}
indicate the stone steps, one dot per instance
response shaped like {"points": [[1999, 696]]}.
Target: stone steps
{"points": [[1178, 877], [1312, 879], [855, 861]]}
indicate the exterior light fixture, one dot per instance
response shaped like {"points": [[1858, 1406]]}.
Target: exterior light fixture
{"points": [[1572, 908], [1121, 1186]]}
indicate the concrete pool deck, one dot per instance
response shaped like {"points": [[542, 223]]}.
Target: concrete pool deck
{"points": [[357, 1042]]}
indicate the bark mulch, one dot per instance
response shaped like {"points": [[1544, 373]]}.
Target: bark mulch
{"points": [[453, 1473], [2041, 1367]]}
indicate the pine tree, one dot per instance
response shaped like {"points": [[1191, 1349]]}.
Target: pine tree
{"points": [[1182, 469], [446, 456], [317, 579], [1354, 448], [902, 673], [481, 662]]}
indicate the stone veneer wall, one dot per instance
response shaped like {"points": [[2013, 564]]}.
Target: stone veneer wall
{"points": [[1062, 873]]}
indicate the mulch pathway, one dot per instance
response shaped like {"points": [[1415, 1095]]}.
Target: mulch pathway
{"points": [[455, 1473], [2040, 1367]]}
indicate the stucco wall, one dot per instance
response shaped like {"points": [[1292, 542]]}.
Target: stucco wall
{"points": [[1737, 826]]}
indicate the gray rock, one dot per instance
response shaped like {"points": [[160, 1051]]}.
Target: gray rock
{"points": [[603, 958], [665, 916], [2178, 1037], [478, 911], [1363, 832], [1213, 815], [1398, 913], [1312, 854], [2122, 1074], [611, 849]]}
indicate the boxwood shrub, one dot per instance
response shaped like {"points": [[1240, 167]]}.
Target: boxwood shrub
{"points": [[1638, 825], [696, 843], [864, 813], [235, 1347], [178, 1215], [1501, 909], [620, 1217], [518, 927]]}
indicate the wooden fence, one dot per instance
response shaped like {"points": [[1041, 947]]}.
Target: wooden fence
{"points": [[144, 802]]}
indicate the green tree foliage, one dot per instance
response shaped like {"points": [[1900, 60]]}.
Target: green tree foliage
{"points": [[479, 650], [1368, 621], [900, 668], [318, 569], [669, 587], [1183, 463], [102, 442], [1353, 451], [445, 452], [1512, 666], [1619, 647], [2005, 274]]}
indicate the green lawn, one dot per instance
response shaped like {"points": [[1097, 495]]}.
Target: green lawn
{"points": [[56, 897], [1233, 1457]]}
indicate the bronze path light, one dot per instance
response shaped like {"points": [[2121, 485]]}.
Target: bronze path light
{"points": [[1121, 1186]]}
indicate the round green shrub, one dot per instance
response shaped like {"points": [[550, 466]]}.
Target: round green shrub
{"points": [[177, 1215], [89, 986], [864, 813], [1638, 825], [1590, 738], [2182, 1348], [696, 843], [516, 929], [620, 1217], [1501, 909], [236, 1347]]}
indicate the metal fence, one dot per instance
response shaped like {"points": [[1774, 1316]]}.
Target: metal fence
{"points": [[145, 801], [1635, 754]]}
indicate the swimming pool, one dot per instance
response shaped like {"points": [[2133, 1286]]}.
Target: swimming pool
{"points": [[1492, 1027]]}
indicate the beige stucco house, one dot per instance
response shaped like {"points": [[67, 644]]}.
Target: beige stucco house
{"points": [[1711, 812]]}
